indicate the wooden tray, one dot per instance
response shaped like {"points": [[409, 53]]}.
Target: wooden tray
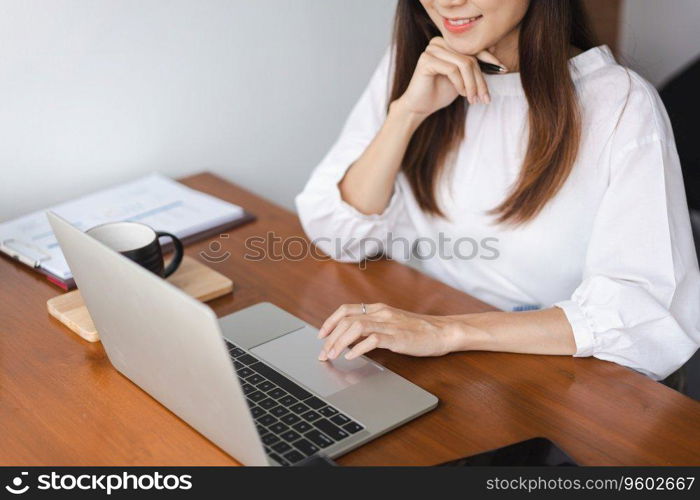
{"points": [[192, 277]]}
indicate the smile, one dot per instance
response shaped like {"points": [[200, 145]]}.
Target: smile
{"points": [[459, 25]]}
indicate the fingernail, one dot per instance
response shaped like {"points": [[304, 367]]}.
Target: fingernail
{"points": [[349, 355], [487, 99], [331, 354], [322, 356], [502, 69]]}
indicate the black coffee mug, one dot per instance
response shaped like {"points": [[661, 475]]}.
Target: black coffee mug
{"points": [[139, 243]]}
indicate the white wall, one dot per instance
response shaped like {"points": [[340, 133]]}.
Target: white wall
{"points": [[94, 92], [660, 37]]}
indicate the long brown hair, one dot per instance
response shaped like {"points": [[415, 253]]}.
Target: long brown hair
{"points": [[547, 32]]}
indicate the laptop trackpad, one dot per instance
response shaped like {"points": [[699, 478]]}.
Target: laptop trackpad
{"points": [[296, 354]]}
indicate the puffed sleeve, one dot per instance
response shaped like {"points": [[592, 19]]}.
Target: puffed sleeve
{"points": [[639, 302], [333, 225]]}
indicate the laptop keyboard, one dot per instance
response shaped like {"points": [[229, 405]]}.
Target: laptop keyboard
{"points": [[293, 423]]}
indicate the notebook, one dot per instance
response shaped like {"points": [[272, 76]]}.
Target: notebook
{"points": [[155, 200]]}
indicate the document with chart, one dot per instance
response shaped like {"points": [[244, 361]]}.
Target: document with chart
{"points": [[155, 200]]}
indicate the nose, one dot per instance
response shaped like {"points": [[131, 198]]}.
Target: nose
{"points": [[451, 3]]}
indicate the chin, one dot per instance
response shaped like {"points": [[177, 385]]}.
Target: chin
{"points": [[462, 45]]}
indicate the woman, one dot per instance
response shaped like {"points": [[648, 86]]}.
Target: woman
{"points": [[564, 159]]}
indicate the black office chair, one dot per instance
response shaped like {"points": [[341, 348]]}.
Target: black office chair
{"points": [[680, 95]]}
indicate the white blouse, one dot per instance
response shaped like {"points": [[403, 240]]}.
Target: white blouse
{"points": [[613, 249]]}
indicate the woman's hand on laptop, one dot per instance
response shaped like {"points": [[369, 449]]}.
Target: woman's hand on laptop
{"points": [[545, 331], [386, 327]]}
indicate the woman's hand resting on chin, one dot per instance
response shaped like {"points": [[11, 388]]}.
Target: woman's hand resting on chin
{"points": [[442, 75]]}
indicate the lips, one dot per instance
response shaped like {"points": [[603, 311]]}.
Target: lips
{"points": [[460, 24]]}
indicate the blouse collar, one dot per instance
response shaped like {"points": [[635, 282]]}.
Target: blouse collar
{"points": [[581, 65]]}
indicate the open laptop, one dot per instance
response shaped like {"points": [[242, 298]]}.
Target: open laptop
{"points": [[250, 382]]}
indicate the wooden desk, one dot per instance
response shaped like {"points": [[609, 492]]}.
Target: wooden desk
{"points": [[62, 403]]}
